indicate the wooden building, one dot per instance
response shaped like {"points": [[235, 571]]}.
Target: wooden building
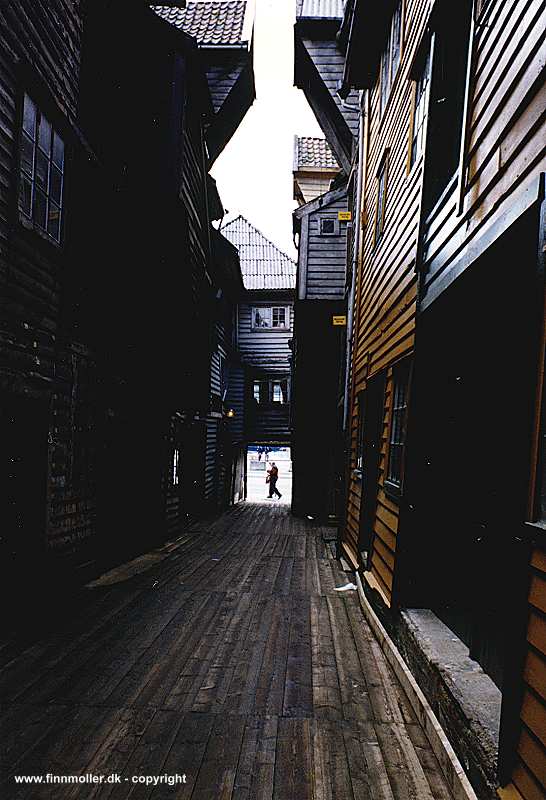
{"points": [[320, 324], [109, 274], [444, 509], [265, 319]]}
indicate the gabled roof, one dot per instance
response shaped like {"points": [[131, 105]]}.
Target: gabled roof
{"points": [[213, 23], [263, 264], [320, 9], [315, 153]]}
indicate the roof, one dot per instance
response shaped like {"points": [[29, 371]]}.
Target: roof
{"points": [[314, 152], [263, 264], [212, 22], [320, 9]]}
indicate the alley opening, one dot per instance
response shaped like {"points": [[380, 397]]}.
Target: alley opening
{"points": [[259, 459]]}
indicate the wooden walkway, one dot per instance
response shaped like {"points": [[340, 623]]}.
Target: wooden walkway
{"points": [[231, 661]]}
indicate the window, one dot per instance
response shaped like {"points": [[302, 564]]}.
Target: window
{"points": [[175, 472], [272, 317], [329, 226], [41, 171], [397, 437], [391, 57], [271, 391], [359, 455], [381, 200], [420, 112]]}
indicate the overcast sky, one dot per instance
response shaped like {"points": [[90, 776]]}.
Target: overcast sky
{"points": [[254, 173]]}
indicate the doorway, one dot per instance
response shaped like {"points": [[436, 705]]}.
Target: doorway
{"points": [[258, 459]]}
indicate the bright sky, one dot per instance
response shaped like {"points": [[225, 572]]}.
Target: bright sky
{"points": [[254, 173]]}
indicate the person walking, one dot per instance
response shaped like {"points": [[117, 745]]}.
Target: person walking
{"points": [[272, 478]]}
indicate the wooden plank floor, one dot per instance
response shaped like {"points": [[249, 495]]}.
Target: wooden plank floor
{"points": [[231, 661]]}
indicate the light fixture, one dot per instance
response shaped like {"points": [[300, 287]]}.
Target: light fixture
{"points": [[230, 413]]}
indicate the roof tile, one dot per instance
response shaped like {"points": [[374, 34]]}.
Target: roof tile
{"points": [[211, 22], [263, 264], [312, 151]]}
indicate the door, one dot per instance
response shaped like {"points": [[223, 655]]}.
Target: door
{"points": [[371, 428], [23, 481]]}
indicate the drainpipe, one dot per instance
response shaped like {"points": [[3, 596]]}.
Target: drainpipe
{"points": [[361, 172]]}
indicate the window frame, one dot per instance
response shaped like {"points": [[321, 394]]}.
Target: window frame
{"points": [[266, 391], [382, 177], [327, 218], [175, 467], [398, 423], [423, 62], [387, 70], [271, 309], [53, 164]]}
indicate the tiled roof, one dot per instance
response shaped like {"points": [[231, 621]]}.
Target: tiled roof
{"points": [[323, 9], [312, 151], [211, 22], [263, 264]]}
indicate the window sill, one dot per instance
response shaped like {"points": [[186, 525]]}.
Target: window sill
{"points": [[392, 491], [270, 330], [32, 228]]}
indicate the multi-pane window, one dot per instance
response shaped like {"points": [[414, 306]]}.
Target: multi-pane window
{"points": [[397, 438], [270, 317], [270, 391], [420, 112], [175, 470], [381, 200], [42, 171], [390, 59]]}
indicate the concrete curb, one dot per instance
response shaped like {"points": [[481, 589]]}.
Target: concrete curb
{"points": [[449, 763]]}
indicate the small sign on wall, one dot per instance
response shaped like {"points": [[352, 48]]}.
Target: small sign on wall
{"points": [[339, 320], [344, 216]]}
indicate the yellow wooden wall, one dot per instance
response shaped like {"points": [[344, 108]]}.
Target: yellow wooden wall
{"points": [[386, 287], [529, 774], [506, 135]]}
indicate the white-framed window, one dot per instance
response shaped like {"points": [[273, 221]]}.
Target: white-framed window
{"points": [[175, 468], [271, 317], [41, 175], [267, 391], [329, 226]]}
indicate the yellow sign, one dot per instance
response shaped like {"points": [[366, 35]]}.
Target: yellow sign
{"points": [[344, 216], [341, 320]]}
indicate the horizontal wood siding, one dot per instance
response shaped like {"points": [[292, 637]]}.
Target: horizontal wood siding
{"points": [[235, 400], [506, 147], [264, 350], [223, 72], [329, 63], [326, 256], [313, 184], [529, 775], [385, 304]]}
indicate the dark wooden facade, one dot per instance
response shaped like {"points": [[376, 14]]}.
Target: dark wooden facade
{"points": [[319, 348], [108, 372], [261, 387]]}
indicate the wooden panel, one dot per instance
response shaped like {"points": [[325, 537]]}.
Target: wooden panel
{"points": [[506, 143]]}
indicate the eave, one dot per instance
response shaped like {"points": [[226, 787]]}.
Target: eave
{"points": [[365, 28]]}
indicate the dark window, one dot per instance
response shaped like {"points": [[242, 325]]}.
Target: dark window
{"points": [[329, 226], [41, 171], [420, 111], [397, 438], [359, 453], [381, 200], [447, 94], [390, 59]]}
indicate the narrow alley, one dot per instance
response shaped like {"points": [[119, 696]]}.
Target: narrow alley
{"points": [[231, 661]]}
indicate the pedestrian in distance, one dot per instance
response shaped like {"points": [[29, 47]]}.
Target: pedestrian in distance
{"points": [[272, 478]]}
